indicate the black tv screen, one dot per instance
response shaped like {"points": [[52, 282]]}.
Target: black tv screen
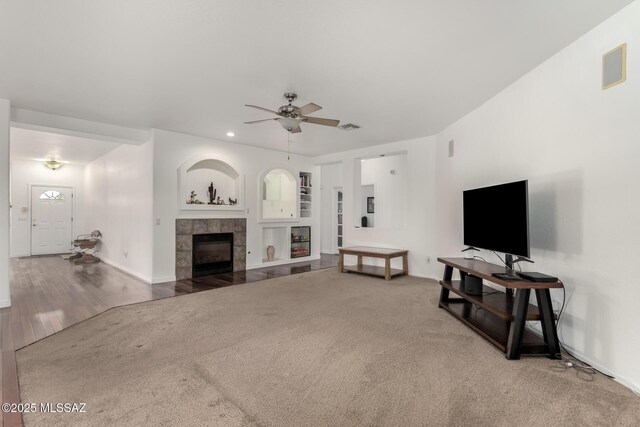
{"points": [[497, 218]]}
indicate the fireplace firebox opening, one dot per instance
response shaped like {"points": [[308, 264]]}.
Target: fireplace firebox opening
{"points": [[212, 253]]}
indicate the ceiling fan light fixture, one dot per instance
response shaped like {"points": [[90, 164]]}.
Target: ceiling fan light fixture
{"points": [[289, 123], [53, 164]]}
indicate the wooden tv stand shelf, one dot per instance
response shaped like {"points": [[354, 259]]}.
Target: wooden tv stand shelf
{"points": [[503, 317]]}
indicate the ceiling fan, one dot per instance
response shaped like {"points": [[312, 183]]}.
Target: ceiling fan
{"points": [[291, 116]]}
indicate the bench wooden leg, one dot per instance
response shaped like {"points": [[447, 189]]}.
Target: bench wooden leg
{"points": [[359, 262], [341, 263], [387, 269], [405, 264]]}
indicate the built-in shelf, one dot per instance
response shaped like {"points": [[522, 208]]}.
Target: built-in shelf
{"points": [[300, 241], [276, 237], [305, 194]]}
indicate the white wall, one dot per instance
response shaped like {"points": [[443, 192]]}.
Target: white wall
{"points": [[5, 111], [172, 149], [29, 172], [330, 180], [118, 202], [418, 235], [389, 190], [579, 148]]}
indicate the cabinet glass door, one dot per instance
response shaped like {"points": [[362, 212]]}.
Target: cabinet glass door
{"points": [[339, 213]]}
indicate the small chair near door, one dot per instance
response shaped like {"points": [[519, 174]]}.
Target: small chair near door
{"points": [[85, 246]]}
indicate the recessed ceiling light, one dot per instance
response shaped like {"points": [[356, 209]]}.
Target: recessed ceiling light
{"points": [[231, 133]]}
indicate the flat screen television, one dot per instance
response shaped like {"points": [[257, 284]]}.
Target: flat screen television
{"points": [[496, 218]]}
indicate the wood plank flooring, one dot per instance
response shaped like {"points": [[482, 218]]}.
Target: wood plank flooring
{"points": [[49, 294]]}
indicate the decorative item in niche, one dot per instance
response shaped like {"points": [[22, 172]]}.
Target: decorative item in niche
{"points": [[271, 251], [212, 194], [233, 201], [193, 199], [370, 205]]}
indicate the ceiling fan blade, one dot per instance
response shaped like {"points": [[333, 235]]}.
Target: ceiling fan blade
{"points": [[308, 109], [260, 108], [258, 121], [296, 130], [319, 121]]}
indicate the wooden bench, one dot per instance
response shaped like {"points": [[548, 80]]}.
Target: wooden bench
{"points": [[384, 253]]}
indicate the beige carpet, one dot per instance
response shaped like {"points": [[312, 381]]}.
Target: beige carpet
{"points": [[313, 349]]}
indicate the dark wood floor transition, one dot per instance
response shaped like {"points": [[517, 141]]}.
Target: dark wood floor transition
{"points": [[49, 294]]}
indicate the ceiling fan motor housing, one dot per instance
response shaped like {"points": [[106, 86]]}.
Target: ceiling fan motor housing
{"points": [[288, 111]]}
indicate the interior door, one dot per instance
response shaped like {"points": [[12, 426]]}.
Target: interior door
{"points": [[51, 220]]}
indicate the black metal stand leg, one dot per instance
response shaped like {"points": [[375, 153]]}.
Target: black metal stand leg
{"points": [[516, 330], [548, 323], [448, 273], [444, 293]]}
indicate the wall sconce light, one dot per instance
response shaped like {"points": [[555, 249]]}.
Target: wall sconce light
{"points": [[53, 164]]}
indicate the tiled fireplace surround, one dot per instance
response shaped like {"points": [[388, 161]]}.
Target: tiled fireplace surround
{"points": [[186, 228]]}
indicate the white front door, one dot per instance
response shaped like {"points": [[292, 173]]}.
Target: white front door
{"points": [[51, 219]]}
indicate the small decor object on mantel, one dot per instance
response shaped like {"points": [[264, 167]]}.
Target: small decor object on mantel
{"points": [[370, 205], [193, 199], [233, 201], [271, 251], [212, 194]]}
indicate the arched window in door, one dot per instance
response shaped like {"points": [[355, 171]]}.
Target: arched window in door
{"points": [[52, 195]]}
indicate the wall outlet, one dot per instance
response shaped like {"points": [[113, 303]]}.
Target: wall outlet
{"points": [[157, 221], [428, 259], [125, 253]]}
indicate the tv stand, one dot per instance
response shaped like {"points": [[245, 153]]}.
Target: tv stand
{"points": [[504, 315]]}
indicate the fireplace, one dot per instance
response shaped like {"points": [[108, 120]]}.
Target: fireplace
{"points": [[212, 253]]}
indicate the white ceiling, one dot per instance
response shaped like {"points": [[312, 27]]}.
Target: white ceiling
{"points": [[399, 69], [29, 144]]}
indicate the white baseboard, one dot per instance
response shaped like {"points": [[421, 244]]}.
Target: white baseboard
{"points": [[423, 276], [20, 255], [130, 272], [5, 303], [629, 384], [164, 279]]}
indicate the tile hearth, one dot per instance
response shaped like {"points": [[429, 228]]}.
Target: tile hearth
{"points": [[187, 227]]}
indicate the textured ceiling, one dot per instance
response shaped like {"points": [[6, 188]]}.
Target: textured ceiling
{"points": [[399, 69]]}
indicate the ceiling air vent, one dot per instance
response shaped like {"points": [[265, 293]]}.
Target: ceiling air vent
{"points": [[349, 126]]}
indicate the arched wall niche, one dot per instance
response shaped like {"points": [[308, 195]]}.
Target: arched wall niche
{"points": [[278, 194], [198, 174]]}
